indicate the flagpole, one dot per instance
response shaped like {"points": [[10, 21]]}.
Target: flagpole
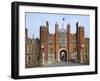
{"points": [[63, 19]]}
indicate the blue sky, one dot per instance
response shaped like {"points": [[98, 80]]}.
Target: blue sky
{"points": [[35, 20]]}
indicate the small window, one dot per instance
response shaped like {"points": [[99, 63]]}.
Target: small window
{"points": [[28, 59], [51, 50], [28, 48]]}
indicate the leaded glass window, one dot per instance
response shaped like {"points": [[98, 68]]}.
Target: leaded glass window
{"points": [[63, 38]]}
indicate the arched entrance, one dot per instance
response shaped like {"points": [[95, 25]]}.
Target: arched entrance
{"points": [[63, 56]]}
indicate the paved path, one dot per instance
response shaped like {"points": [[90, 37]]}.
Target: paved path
{"points": [[62, 64]]}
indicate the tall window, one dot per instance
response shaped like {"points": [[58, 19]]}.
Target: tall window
{"points": [[28, 49], [51, 50], [28, 59], [63, 38]]}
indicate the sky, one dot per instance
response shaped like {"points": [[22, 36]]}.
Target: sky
{"points": [[33, 22]]}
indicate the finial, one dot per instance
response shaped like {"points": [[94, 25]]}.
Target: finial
{"points": [[33, 35], [47, 24]]}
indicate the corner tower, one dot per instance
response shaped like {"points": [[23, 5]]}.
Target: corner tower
{"points": [[56, 41], [44, 42], [69, 42], [80, 43]]}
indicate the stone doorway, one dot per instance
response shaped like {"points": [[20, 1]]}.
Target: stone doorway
{"points": [[63, 56]]}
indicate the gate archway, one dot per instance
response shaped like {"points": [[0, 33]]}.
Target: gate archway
{"points": [[63, 56]]}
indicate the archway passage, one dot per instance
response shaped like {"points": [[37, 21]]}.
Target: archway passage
{"points": [[63, 56]]}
